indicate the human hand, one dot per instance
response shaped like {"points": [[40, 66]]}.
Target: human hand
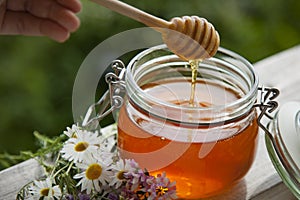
{"points": [[53, 18]]}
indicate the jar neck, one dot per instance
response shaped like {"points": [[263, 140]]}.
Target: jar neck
{"points": [[226, 69]]}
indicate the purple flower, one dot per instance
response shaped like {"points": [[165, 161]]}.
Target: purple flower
{"points": [[80, 196], [127, 193], [113, 196], [132, 163], [69, 197], [83, 196], [162, 188]]}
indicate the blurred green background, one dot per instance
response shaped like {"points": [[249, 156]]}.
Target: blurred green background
{"points": [[37, 74]]}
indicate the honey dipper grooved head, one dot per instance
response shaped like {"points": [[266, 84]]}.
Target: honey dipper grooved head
{"points": [[191, 38]]}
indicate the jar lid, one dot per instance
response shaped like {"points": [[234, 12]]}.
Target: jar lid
{"points": [[289, 129], [283, 145]]}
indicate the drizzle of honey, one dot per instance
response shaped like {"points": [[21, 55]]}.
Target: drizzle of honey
{"points": [[194, 67]]}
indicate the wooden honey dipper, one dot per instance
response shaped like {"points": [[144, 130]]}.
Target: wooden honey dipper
{"points": [[191, 38]]}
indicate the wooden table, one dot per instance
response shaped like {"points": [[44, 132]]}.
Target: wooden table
{"points": [[262, 181]]}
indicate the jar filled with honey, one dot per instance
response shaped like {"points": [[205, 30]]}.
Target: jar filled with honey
{"points": [[204, 136]]}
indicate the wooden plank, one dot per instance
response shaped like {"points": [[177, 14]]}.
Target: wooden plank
{"points": [[277, 192], [282, 71], [15, 177]]}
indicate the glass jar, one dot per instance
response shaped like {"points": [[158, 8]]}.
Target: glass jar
{"points": [[206, 146]]}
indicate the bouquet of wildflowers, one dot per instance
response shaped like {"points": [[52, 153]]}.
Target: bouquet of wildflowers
{"points": [[87, 166]]}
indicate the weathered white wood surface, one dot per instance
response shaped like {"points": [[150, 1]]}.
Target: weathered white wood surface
{"points": [[14, 178], [262, 182]]}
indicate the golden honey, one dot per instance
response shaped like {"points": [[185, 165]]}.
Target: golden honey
{"points": [[223, 162]]}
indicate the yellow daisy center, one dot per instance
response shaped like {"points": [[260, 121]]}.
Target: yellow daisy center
{"points": [[81, 146], [160, 190], [45, 191], [93, 171], [120, 175]]}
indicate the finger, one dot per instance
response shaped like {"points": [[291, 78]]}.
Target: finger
{"points": [[74, 5], [49, 9], [21, 23], [54, 11], [21, 5], [2, 11], [16, 5]]}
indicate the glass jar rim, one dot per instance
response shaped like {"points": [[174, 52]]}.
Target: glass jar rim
{"points": [[250, 96]]}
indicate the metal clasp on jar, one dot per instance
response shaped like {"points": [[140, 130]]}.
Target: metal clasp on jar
{"points": [[267, 104], [113, 96]]}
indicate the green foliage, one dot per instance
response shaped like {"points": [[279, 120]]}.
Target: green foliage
{"points": [[47, 147], [37, 74]]}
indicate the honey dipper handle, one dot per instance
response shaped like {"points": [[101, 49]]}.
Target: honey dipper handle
{"points": [[133, 13]]}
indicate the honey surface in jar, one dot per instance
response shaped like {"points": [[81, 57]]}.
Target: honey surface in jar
{"points": [[204, 160]]}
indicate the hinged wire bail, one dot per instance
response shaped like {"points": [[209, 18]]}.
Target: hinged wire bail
{"points": [[113, 96], [267, 104]]}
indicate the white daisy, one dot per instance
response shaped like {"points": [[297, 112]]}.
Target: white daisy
{"points": [[45, 189], [119, 170], [81, 147], [71, 132], [95, 175], [104, 154]]}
